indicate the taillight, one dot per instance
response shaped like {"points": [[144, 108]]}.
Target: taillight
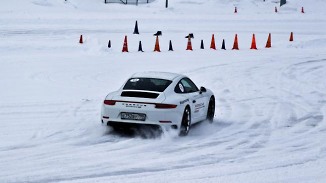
{"points": [[109, 102], [165, 106]]}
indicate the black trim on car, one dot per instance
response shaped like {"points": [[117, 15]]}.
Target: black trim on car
{"points": [[139, 94]]}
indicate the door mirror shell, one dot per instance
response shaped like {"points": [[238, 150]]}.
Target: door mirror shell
{"points": [[202, 90]]}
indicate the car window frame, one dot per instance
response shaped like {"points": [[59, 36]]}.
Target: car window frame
{"points": [[190, 82]]}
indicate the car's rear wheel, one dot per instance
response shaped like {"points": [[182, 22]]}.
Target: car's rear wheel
{"points": [[211, 109], [186, 122]]}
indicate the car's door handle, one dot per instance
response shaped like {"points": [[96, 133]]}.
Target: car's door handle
{"points": [[194, 101]]}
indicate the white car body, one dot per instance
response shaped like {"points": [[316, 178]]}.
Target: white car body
{"points": [[165, 110]]}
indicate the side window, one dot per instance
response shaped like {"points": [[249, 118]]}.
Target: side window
{"points": [[179, 88], [185, 85]]}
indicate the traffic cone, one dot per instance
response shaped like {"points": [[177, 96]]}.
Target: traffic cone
{"points": [[109, 44], [223, 45], [125, 45], [235, 10], [157, 45], [140, 47], [302, 10], [253, 43], [275, 9], [189, 46], [235, 44], [202, 44], [136, 28], [213, 43], [269, 41], [291, 36], [81, 39], [170, 46]]}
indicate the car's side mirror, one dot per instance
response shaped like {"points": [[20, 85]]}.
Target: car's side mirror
{"points": [[202, 90]]}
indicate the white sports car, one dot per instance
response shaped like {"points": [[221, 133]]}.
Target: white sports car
{"points": [[168, 100]]}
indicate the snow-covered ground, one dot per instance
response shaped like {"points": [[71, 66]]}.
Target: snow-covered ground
{"points": [[270, 121]]}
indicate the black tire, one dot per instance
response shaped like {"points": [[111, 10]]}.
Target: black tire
{"points": [[186, 122], [211, 109]]}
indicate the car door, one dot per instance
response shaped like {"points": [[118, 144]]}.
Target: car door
{"points": [[197, 101]]}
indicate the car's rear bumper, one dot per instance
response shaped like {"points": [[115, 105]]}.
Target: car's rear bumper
{"points": [[154, 116]]}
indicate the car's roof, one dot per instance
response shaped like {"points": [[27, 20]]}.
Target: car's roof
{"points": [[159, 75]]}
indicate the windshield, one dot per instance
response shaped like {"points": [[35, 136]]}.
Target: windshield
{"points": [[149, 84]]}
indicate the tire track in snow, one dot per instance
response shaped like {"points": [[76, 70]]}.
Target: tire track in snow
{"points": [[257, 76], [248, 116]]}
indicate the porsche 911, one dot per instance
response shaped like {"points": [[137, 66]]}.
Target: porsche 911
{"points": [[163, 99]]}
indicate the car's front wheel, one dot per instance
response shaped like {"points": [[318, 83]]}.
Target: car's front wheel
{"points": [[186, 122], [211, 109]]}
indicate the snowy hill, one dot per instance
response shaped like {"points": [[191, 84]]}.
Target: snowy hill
{"points": [[270, 103]]}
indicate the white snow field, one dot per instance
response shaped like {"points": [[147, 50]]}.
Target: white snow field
{"points": [[269, 127]]}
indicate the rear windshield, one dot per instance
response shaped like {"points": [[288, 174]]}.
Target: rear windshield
{"points": [[149, 84]]}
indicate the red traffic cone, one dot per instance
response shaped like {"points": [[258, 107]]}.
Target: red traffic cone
{"points": [[189, 46], [125, 45], [253, 43], [235, 44], [81, 39], [213, 43], [269, 41], [235, 10], [291, 36], [275, 9], [157, 45]]}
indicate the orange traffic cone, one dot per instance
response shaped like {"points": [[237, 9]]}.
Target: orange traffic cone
{"points": [[275, 9], [235, 10], [189, 46], [213, 43], [235, 44], [269, 41], [253, 43], [81, 39], [157, 45], [125, 45], [302, 10], [291, 36]]}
